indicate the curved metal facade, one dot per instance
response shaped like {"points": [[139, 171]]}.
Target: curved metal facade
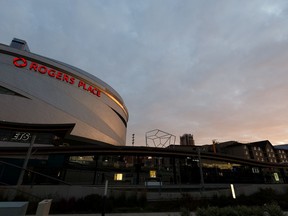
{"points": [[39, 90]]}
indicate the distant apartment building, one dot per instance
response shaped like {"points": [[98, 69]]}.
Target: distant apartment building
{"points": [[281, 155], [261, 151], [187, 139]]}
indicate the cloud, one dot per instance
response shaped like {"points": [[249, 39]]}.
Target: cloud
{"points": [[216, 69]]}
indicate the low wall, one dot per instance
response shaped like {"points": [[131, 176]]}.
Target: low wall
{"points": [[57, 192], [54, 192]]}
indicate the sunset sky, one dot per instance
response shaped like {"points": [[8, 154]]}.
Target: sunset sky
{"points": [[215, 69]]}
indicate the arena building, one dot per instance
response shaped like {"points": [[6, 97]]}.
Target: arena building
{"points": [[39, 94]]}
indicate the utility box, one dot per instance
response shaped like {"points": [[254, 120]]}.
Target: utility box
{"points": [[13, 208], [43, 207]]}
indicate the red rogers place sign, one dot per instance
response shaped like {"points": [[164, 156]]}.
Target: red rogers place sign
{"points": [[33, 66]]}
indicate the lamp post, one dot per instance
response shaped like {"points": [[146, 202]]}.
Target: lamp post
{"points": [[24, 167], [200, 169], [104, 198], [133, 139]]}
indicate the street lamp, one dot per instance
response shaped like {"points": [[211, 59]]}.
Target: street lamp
{"points": [[200, 169]]}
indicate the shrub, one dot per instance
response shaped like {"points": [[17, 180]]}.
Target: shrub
{"points": [[210, 211], [271, 209], [184, 212]]}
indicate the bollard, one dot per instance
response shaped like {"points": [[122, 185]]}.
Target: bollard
{"points": [[43, 207]]}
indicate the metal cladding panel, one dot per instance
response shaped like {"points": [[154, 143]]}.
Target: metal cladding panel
{"points": [[49, 100]]}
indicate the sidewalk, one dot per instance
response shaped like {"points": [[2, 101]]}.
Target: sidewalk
{"points": [[132, 214], [128, 214]]}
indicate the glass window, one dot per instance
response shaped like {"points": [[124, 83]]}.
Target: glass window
{"points": [[152, 173], [6, 91], [118, 176]]}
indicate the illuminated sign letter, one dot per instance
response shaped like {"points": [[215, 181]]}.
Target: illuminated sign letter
{"points": [[33, 66], [20, 62], [42, 69], [51, 73]]}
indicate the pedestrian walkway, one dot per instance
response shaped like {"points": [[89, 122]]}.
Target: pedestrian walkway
{"points": [[129, 214], [134, 214]]}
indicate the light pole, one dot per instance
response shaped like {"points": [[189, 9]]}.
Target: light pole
{"points": [[24, 167], [200, 169], [104, 198], [20, 179]]}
